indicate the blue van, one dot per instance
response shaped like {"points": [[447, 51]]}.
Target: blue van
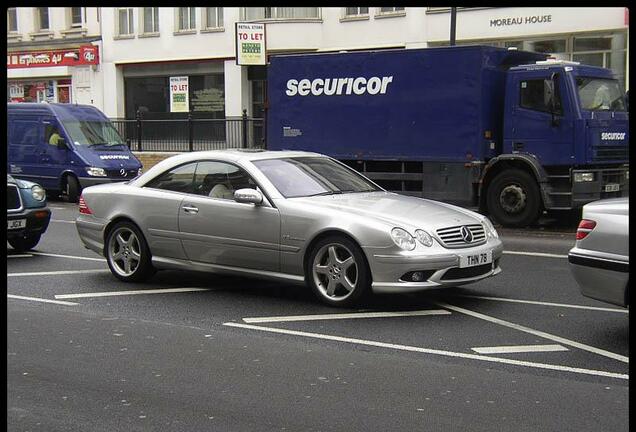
{"points": [[66, 147]]}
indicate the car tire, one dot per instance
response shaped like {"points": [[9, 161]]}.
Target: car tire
{"points": [[127, 253], [72, 189], [514, 199], [337, 272], [22, 244]]}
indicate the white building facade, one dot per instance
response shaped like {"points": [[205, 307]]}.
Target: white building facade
{"points": [[140, 49]]}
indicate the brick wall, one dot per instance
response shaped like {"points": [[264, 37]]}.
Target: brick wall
{"points": [[150, 159]]}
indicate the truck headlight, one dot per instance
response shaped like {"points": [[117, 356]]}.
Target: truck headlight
{"points": [[140, 171], [580, 177], [96, 172], [490, 228], [403, 239], [38, 192], [424, 238]]}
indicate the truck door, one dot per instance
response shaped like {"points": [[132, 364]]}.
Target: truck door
{"points": [[540, 127]]}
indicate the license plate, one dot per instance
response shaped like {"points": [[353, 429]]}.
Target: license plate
{"points": [[612, 187], [17, 223], [473, 260]]}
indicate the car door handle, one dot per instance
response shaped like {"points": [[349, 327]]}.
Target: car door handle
{"points": [[191, 210]]}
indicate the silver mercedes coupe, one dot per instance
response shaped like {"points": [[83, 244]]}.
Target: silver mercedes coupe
{"points": [[294, 216]]}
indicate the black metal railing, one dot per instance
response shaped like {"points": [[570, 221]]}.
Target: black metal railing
{"points": [[191, 134]]}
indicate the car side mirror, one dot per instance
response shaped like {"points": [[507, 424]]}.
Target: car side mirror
{"points": [[61, 144], [248, 196]]}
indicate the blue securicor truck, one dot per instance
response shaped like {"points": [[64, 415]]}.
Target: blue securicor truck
{"points": [[511, 132]]}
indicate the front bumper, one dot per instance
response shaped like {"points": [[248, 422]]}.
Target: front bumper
{"points": [[600, 277], [439, 265], [37, 221]]}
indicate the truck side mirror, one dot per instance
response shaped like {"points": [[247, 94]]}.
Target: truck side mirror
{"points": [[61, 144]]}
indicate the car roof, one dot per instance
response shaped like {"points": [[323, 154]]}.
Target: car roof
{"points": [[235, 155]]}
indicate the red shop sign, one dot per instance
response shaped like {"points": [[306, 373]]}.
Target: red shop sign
{"points": [[84, 55]]}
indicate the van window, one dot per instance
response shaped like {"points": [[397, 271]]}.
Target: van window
{"points": [[25, 132], [92, 133]]}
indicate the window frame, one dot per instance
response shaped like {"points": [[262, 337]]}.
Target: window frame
{"points": [[155, 28], [82, 22], [273, 15], [129, 21], [205, 15], [12, 11], [38, 17], [557, 94], [192, 20], [359, 14]]}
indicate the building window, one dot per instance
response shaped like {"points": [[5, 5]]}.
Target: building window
{"points": [[280, 13], [388, 10], [42, 15], [356, 11], [125, 21], [214, 17], [78, 16], [150, 19], [12, 20], [186, 19]]}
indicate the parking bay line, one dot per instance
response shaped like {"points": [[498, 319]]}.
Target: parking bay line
{"points": [[20, 256], [55, 273], [509, 349], [68, 256], [353, 315], [62, 221], [524, 329], [543, 303], [41, 300], [136, 292], [538, 254], [429, 351]]}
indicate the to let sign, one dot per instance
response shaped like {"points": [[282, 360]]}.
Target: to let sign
{"points": [[250, 44], [179, 94]]}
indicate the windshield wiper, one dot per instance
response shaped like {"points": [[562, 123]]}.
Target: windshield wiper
{"points": [[336, 192], [97, 143]]}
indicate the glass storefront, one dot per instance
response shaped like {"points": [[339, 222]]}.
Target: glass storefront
{"points": [[39, 90]]}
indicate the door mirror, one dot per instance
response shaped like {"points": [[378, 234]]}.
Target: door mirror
{"points": [[247, 195], [61, 144]]}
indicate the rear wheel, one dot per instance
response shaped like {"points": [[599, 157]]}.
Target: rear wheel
{"points": [[21, 244], [514, 199], [72, 189], [337, 272], [127, 253]]}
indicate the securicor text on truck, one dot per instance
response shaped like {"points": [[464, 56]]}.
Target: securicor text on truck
{"points": [[511, 132]]}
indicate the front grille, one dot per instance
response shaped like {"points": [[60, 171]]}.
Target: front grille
{"points": [[130, 173], [606, 153], [452, 237], [468, 272], [14, 201]]}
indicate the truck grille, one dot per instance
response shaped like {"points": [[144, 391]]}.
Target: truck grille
{"points": [[452, 236], [14, 201], [115, 173], [605, 153]]}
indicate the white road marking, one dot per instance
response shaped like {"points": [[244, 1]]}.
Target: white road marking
{"points": [[545, 303], [61, 272], [20, 256], [538, 254], [69, 256], [123, 293], [62, 221], [346, 316], [519, 349], [430, 351], [41, 300], [545, 335]]}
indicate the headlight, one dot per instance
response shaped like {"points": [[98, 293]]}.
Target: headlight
{"points": [[140, 171], [424, 238], [627, 175], [96, 172], [403, 239], [490, 228], [38, 192], [583, 177]]}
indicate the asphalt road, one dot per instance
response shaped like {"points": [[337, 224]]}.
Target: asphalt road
{"points": [[198, 352]]}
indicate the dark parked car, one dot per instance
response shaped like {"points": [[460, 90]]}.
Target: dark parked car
{"points": [[27, 213]]}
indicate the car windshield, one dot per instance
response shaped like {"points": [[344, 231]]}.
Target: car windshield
{"points": [[600, 94], [93, 133], [311, 176]]}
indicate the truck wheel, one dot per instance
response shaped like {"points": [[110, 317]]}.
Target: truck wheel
{"points": [[72, 189], [337, 272], [21, 244], [514, 199]]}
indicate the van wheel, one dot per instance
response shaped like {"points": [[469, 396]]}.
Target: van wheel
{"points": [[21, 244], [72, 189], [514, 199]]}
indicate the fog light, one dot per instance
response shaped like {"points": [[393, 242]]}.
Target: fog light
{"points": [[417, 276], [583, 177]]}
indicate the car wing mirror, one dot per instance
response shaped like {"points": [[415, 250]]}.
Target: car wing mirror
{"points": [[247, 195]]}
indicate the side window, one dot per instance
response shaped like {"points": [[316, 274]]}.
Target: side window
{"points": [[178, 179], [25, 132], [220, 180], [533, 96], [52, 134]]}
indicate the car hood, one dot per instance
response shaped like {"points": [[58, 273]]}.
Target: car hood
{"points": [[394, 209]]}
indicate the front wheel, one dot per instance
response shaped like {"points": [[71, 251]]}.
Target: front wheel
{"points": [[514, 199], [72, 189], [127, 253], [22, 244], [337, 272]]}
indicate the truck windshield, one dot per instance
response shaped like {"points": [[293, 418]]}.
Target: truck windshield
{"points": [[600, 94], [90, 133], [312, 176]]}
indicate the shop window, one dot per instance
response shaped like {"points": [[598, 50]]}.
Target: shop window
{"points": [[214, 17], [150, 19], [125, 22], [12, 20], [280, 13], [42, 19], [534, 96], [207, 95], [186, 18]]}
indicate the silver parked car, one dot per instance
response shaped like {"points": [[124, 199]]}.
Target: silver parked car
{"points": [[600, 258], [296, 216]]}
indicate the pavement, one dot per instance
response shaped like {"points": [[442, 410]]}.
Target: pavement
{"points": [[186, 351]]}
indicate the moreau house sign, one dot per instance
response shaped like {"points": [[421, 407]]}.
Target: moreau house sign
{"points": [[511, 21]]}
